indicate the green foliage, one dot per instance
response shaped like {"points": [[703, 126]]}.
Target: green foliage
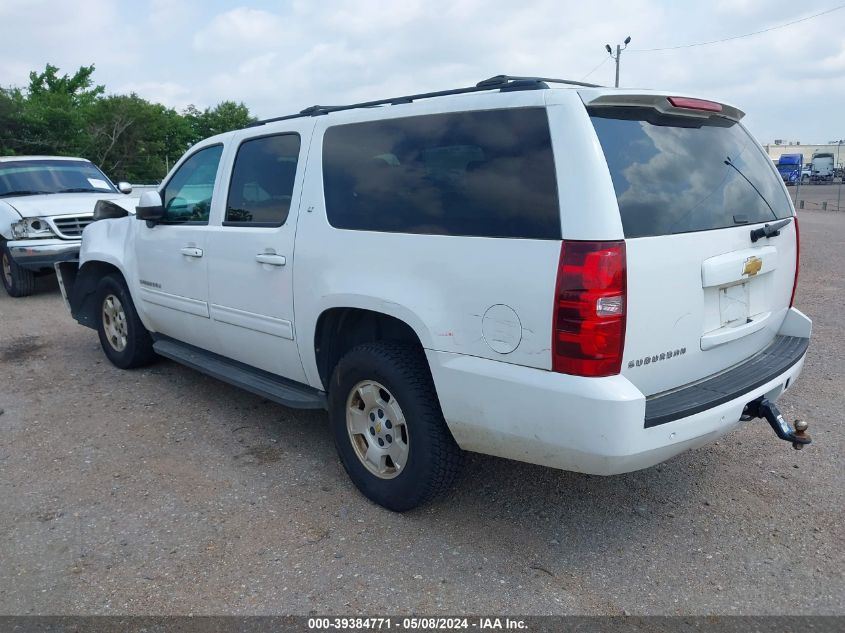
{"points": [[128, 137], [223, 117]]}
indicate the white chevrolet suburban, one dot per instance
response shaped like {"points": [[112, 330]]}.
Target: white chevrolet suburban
{"points": [[45, 203], [586, 278]]}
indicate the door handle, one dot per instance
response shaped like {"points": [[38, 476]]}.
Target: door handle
{"points": [[191, 251], [269, 258]]}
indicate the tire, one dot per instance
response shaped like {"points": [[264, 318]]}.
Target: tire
{"points": [[18, 281], [125, 340], [394, 378], [805, 180]]}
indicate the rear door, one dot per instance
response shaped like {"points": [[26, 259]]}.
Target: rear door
{"points": [[251, 267], [691, 185]]}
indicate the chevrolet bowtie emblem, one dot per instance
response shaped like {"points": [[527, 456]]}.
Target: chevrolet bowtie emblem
{"points": [[753, 265]]}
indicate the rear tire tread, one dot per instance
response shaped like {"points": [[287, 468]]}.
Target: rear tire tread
{"points": [[411, 365]]}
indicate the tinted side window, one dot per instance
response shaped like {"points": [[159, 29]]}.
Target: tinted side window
{"points": [[187, 196], [262, 181], [679, 175], [485, 173]]}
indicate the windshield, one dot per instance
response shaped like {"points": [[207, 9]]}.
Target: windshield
{"points": [[30, 177], [677, 175]]}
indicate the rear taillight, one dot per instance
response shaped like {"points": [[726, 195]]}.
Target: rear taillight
{"points": [[797, 260], [590, 305]]}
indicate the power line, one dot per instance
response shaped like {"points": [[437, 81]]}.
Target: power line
{"points": [[736, 37], [599, 65]]}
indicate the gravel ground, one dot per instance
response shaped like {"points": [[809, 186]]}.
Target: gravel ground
{"points": [[163, 491]]}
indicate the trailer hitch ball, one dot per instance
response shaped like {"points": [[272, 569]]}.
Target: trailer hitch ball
{"points": [[766, 409], [800, 432]]}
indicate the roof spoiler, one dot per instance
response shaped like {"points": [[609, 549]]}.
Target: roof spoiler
{"points": [[665, 104]]}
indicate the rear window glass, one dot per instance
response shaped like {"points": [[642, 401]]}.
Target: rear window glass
{"points": [[484, 173], [679, 175]]}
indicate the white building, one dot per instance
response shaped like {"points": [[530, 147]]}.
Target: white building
{"points": [[778, 148]]}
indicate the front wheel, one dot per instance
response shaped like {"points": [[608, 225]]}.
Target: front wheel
{"points": [[388, 427], [18, 281], [124, 339]]}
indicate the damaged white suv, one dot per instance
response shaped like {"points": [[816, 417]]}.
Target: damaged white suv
{"points": [[587, 278], [45, 203]]}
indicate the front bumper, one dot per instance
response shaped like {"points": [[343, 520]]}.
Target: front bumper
{"points": [[590, 425], [42, 253]]}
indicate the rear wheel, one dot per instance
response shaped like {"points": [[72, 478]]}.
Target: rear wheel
{"points": [[124, 339], [388, 426], [18, 281]]}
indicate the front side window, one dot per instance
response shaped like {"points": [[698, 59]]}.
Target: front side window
{"points": [[31, 177], [262, 181], [187, 197], [487, 173]]}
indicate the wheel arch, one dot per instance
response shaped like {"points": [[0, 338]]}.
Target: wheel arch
{"points": [[83, 296], [340, 328]]}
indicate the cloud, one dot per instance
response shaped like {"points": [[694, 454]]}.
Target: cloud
{"points": [[280, 57], [240, 29], [167, 93]]}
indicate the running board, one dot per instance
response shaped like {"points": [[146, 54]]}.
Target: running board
{"points": [[261, 383]]}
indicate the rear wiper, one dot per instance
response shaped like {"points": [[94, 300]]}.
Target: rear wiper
{"points": [[79, 190], [729, 163], [769, 230], [22, 192]]}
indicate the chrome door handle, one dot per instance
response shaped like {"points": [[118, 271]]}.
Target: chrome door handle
{"points": [[269, 258], [191, 251]]}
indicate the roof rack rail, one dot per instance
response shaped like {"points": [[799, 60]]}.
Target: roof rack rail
{"points": [[504, 83], [493, 82]]}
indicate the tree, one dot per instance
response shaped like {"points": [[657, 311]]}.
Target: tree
{"points": [[11, 123], [224, 117], [56, 108], [126, 135]]}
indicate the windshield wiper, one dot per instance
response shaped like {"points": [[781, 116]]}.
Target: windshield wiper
{"points": [[22, 192], [769, 230], [729, 163], [79, 190]]}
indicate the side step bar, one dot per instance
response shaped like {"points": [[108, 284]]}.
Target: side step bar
{"points": [[262, 383]]}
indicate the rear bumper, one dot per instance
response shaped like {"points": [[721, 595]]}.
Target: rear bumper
{"points": [[589, 425], [768, 365], [42, 253]]}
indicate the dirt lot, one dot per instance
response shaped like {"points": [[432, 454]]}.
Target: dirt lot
{"points": [[163, 491]]}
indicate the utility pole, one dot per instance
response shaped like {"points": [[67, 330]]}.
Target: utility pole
{"points": [[619, 49], [841, 177]]}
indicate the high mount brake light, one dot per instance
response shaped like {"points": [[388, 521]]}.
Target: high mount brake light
{"points": [[695, 104], [589, 312]]}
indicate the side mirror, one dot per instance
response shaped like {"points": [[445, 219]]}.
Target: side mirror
{"points": [[150, 207], [105, 210], [124, 187]]}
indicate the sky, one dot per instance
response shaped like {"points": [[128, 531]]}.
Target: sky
{"points": [[279, 57]]}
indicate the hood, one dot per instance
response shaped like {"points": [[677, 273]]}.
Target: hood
{"points": [[59, 203]]}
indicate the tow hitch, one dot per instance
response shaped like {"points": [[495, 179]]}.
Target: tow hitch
{"points": [[764, 408]]}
